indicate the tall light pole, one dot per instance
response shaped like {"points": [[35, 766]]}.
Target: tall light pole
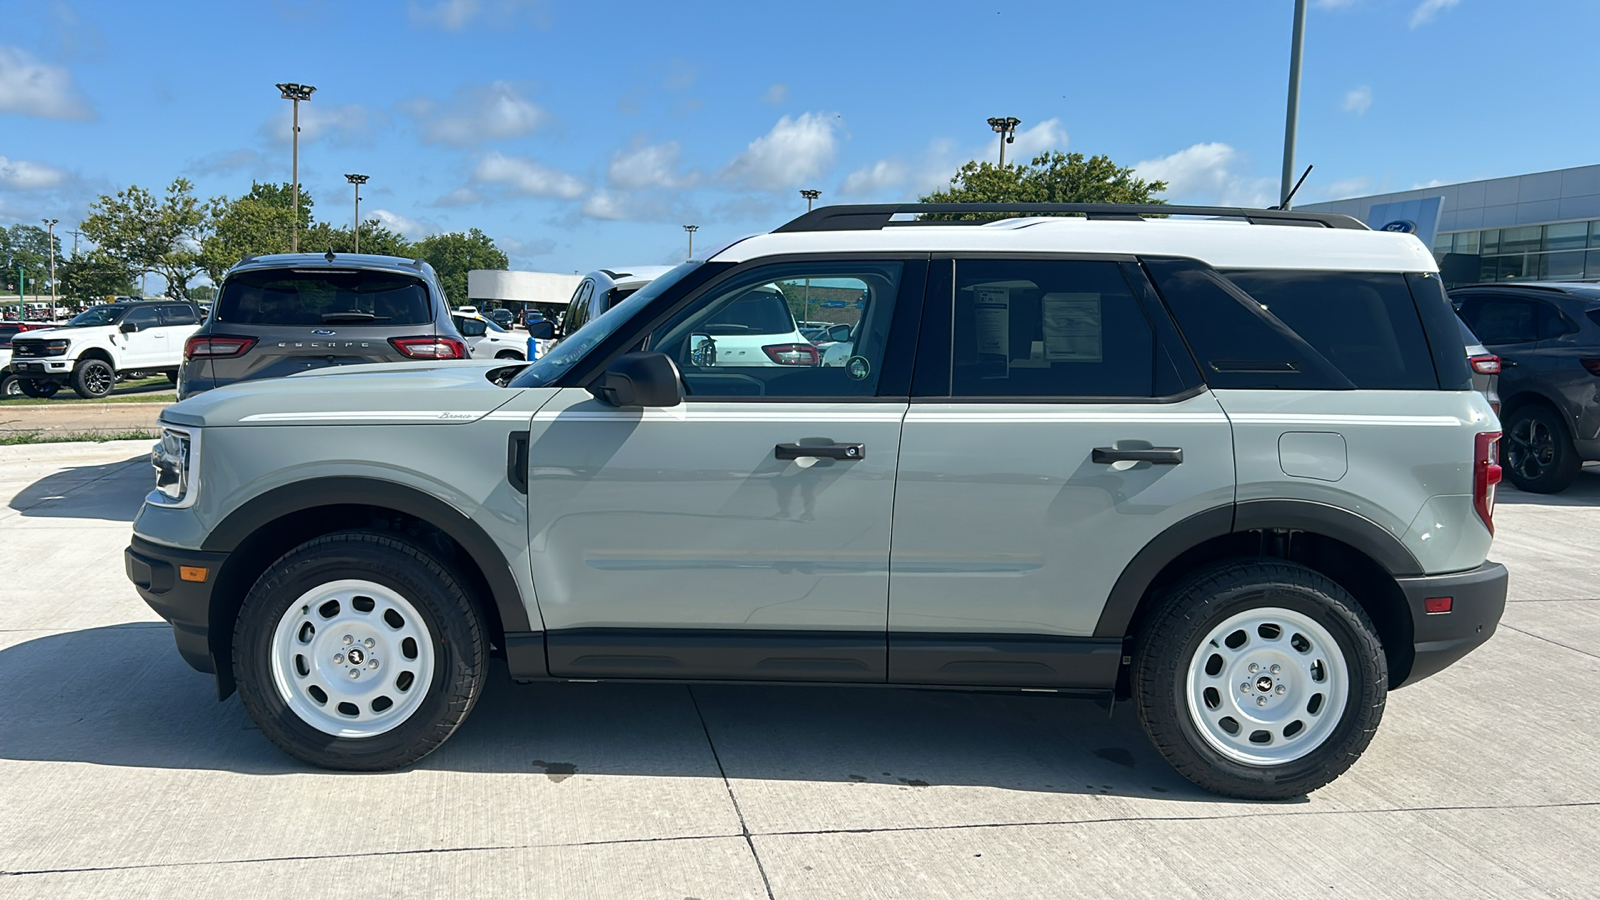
{"points": [[75, 234], [51, 225], [1295, 45], [358, 181], [1006, 127], [811, 197], [296, 92], [691, 229]]}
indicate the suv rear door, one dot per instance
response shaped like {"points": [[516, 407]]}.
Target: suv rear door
{"points": [[1057, 427]]}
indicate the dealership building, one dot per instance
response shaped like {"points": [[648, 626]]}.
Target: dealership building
{"points": [[1539, 227]]}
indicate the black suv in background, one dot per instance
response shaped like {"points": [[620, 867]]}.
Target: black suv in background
{"points": [[1548, 339], [286, 313]]}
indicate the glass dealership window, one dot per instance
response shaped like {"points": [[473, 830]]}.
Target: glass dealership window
{"points": [[1521, 240], [1466, 242], [1490, 242], [1566, 236], [1563, 266]]}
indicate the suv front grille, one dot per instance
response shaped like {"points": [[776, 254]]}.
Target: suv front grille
{"points": [[24, 349]]}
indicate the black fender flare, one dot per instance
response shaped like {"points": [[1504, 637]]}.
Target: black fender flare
{"points": [[1342, 525], [257, 512]]}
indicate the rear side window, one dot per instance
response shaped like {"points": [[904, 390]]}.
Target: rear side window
{"points": [[761, 310], [1364, 323], [178, 315], [1499, 319], [324, 297], [1594, 315]]}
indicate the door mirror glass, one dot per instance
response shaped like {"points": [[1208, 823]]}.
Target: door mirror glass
{"points": [[473, 328], [639, 379], [129, 327], [702, 351], [543, 329]]}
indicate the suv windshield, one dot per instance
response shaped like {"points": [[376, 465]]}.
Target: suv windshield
{"points": [[558, 361], [98, 315], [324, 296]]}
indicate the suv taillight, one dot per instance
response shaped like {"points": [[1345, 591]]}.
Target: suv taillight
{"points": [[1592, 364], [791, 354], [1487, 364], [1485, 475], [430, 347], [216, 346]]}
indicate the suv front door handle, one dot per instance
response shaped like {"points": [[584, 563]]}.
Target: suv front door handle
{"points": [[1160, 456], [821, 451]]}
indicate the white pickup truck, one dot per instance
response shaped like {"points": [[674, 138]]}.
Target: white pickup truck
{"points": [[102, 345]]}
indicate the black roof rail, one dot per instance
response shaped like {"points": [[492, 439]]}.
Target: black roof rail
{"points": [[876, 216]]}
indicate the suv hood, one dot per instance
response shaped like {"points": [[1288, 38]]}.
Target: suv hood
{"points": [[446, 393], [63, 332]]}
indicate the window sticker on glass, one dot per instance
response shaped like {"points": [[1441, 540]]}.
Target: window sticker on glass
{"points": [[992, 308], [1072, 327]]}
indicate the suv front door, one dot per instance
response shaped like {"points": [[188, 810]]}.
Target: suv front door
{"points": [[145, 346], [744, 533], [1057, 427]]}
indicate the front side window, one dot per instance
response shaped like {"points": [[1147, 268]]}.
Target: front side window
{"points": [[318, 297], [143, 316], [742, 339]]}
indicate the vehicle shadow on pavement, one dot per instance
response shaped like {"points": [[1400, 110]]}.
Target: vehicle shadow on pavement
{"points": [[87, 492], [1583, 492], [120, 696]]}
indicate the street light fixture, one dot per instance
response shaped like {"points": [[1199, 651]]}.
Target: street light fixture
{"points": [[1296, 44], [811, 197], [296, 92], [691, 229], [358, 181], [51, 224], [1006, 127]]}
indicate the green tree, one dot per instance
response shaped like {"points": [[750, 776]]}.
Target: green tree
{"points": [[454, 254], [203, 293], [258, 222], [94, 277], [1052, 177], [25, 250], [375, 238], [161, 235]]}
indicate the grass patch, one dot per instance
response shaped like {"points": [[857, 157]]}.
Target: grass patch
{"points": [[70, 437], [143, 390]]}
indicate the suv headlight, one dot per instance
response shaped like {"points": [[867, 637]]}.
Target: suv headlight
{"points": [[174, 458]]}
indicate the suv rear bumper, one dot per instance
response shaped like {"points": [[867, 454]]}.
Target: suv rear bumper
{"points": [[1477, 600], [154, 571]]}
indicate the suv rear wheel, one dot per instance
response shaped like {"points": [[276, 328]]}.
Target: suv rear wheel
{"points": [[1540, 457], [93, 378], [1262, 680], [358, 651]]}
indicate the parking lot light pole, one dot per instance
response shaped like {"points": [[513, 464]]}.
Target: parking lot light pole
{"points": [[1006, 127], [1297, 43], [691, 229], [358, 181], [296, 93], [811, 197], [51, 225]]}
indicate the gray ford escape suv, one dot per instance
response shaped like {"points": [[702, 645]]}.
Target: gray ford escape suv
{"points": [[293, 312], [1232, 468]]}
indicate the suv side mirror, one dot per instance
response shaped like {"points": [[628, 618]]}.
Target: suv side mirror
{"points": [[702, 351], [473, 328], [128, 327], [543, 329], [639, 379]]}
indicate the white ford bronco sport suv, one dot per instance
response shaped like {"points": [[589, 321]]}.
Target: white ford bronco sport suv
{"points": [[102, 344], [1226, 463]]}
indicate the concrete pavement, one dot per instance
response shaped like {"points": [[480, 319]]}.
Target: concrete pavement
{"points": [[120, 774]]}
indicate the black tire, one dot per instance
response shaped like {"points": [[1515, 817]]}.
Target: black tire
{"points": [[172, 378], [37, 389], [93, 378], [1537, 451], [508, 354], [459, 646], [10, 386], [1180, 624]]}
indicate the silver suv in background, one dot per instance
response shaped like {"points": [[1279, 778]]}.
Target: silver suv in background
{"points": [[293, 312]]}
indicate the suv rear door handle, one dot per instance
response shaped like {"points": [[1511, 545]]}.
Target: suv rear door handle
{"points": [[1160, 456], [822, 451]]}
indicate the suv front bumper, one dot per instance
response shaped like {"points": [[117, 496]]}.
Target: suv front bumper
{"points": [[42, 368], [156, 571], [1477, 600]]}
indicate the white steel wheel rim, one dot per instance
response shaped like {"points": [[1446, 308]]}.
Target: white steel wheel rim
{"points": [[344, 627], [1267, 686]]}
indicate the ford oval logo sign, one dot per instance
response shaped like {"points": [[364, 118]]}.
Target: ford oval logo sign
{"points": [[322, 332], [1404, 226]]}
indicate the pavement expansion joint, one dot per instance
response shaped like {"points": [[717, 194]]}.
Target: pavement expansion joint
{"points": [[744, 828], [1541, 637]]}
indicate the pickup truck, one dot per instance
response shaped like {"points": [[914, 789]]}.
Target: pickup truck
{"points": [[103, 344]]}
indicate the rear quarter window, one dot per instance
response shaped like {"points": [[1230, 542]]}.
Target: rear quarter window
{"points": [[316, 298]]}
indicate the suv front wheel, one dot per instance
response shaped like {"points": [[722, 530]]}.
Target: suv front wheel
{"points": [[93, 378], [358, 651], [1261, 680]]}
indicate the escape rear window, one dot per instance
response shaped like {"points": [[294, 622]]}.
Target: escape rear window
{"points": [[324, 297]]}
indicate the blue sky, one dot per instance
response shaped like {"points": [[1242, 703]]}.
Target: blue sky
{"points": [[582, 135]]}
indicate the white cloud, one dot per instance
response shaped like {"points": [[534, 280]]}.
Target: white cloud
{"points": [[350, 123], [453, 15], [648, 165], [413, 229], [607, 205], [1427, 10], [32, 88], [1357, 100], [462, 196], [22, 175], [883, 175], [1207, 174], [776, 94], [1045, 136], [525, 176], [1424, 185], [515, 246], [477, 113], [796, 150], [1342, 189]]}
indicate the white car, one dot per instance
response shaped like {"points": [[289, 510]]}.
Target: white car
{"points": [[604, 288], [485, 338], [103, 344], [756, 328]]}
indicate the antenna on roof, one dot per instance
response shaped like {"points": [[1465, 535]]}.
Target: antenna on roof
{"points": [[329, 255], [1290, 196]]}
